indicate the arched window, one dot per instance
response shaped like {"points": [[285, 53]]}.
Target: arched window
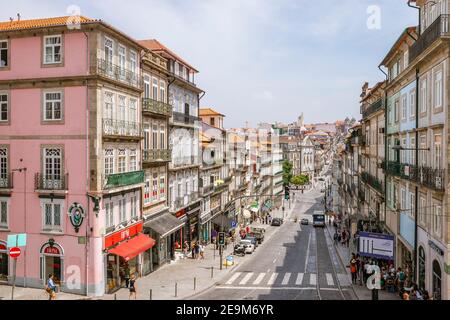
{"points": [[437, 277], [51, 258]]}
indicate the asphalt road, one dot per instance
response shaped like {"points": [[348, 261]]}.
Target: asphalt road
{"points": [[297, 263]]}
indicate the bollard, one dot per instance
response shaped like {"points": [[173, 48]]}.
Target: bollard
{"points": [[151, 294], [176, 289], [115, 296], [212, 272], [195, 283]]}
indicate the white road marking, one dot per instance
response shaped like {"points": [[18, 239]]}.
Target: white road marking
{"points": [[274, 260], [272, 279], [313, 279], [268, 270], [259, 278], [246, 278], [277, 288], [286, 278], [299, 279], [330, 280], [234, 277], [307, 252]]}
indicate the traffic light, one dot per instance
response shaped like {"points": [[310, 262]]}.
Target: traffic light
{"points": [[221, 238], [286, 193]]}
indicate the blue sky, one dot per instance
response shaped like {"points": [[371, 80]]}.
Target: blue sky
{"points": [[259, 60]]}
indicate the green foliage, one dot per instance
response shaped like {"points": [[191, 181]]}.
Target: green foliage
{"points": [[300, 180], [287, 172]]}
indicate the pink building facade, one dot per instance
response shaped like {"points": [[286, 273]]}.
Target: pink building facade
{"points": [[70, 137]]}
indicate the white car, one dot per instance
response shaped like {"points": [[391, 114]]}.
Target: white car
{"points": [[249, 246]]}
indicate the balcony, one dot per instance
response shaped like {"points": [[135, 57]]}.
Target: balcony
{"points": [[184, 201], [183, 118], [395, 168], [183, 78], [361, 195], [156, 155], [439, 28], [374, 107], [207, 189], [373, 182], [426, 176], [123, 179], [156, 107], [120, 128], [182, 162], [117, 73], [212, 163], [6, 181], [51, 182]]}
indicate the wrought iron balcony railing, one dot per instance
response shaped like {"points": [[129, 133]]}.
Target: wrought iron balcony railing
{"points": [[51, 182], [374, 107], [6, 181], [439, 28], [123, 179], [156, 155], [183, 118], [372, 181], [156, 107], [121, 128], [181, 77], [207, 189], [117, 73], [426, 176]]}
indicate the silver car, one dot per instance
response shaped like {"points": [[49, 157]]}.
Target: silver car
{"points": [[249, 246]]}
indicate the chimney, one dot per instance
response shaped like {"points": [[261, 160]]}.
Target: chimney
{"points": [[18, 17], [11, 19]]}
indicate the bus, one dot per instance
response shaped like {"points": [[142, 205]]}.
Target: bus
{"points": [[319, 219]]}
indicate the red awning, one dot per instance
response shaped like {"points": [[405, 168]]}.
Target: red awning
{"points": [[131, 248]]}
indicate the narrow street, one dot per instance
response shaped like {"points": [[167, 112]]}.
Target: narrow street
{"points": [[298, 262]]}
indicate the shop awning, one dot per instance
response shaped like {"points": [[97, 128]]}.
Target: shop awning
{"points": [[164, 224], [133, 247]]}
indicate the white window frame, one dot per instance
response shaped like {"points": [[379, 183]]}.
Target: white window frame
{"points": [[122, 210], [7, 53], [162, 185], [422, 210], [412, 104], [147, 188], [162, 136], [133, 160], [4, 203], [122, 56], [121, 160], [162, 91], [108, 161], [155, 185], [155, 89], [437, 220], [53, 102], [404, 106], [53, 46], [109, 214], [52, 203], [147, 86], [437, 151], [438, 90], [4, 104], [423, 95], [109, 58], [108, 105]]}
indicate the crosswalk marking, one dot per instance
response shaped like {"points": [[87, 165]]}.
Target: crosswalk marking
{"points": [[299, 279], [246, 278], [272, 279], [286, 278], [259, 278], [330, 280], [313, 279], [234, 277]]}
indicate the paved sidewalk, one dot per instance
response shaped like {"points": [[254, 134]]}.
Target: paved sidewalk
{"points": [[21, 293], [361, 291]]}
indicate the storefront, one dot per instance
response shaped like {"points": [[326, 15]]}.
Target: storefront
{"points": [[162, 228], [215, 222], [123, 258], [404, 256], [51, 262], [4, 262], [437, 280]]}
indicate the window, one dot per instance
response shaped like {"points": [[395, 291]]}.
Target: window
{"points": [[133, 162], [4, 107], [133, 203], [52, 106], [437, 151], [412, 204], [396, 110], [403, 199], [3, 167], [146, 136], [122, 210], [52, 49], [122, 61], [212, 121], [403, 154], [121, 161], [437, 220], [155, 89], [162, 91], [109, 54], [423, 153], [146, 86], [52, 165], [3, 213], [147, 188], [109, 161], [122, 108], [133, 63], [52, 216], [155, 186], [109, 214], [133, 111], [155, 136], [4, 57], [423, 96], [162, 186], [109, 106], [438, 89], [422, 210], [405, 59], [404, 106], [413, 152], [162, 136], [412, 99]]}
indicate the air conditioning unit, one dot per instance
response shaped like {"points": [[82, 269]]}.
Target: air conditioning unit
{"points": [[380, 130]]}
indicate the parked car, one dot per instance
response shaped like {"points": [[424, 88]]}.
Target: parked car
{"points": [[304, 221], [252, 239], [239, 249], [277, 222], [258, 235], [248, 245]]}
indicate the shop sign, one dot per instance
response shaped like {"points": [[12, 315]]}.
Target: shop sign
{"points": [[180, 213], [376, 245], [76, 215], [435, 247], [122, 235], [52, 250]]}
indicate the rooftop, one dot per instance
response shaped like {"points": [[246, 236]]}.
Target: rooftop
{"points": [[209, 112], [42, 23]]}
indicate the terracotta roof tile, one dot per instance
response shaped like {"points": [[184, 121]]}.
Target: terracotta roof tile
{"points": [[41, 23], [209, 112]]}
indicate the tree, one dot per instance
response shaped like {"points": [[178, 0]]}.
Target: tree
{"points": [[300, 180], [287, 172]]}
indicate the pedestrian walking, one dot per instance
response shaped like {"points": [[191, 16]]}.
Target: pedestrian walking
{"points": [[336, 238], [202, 251], [185, 248], [193, 250], [51, 287], [353, 268], [132, 286], [126, 272]]}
